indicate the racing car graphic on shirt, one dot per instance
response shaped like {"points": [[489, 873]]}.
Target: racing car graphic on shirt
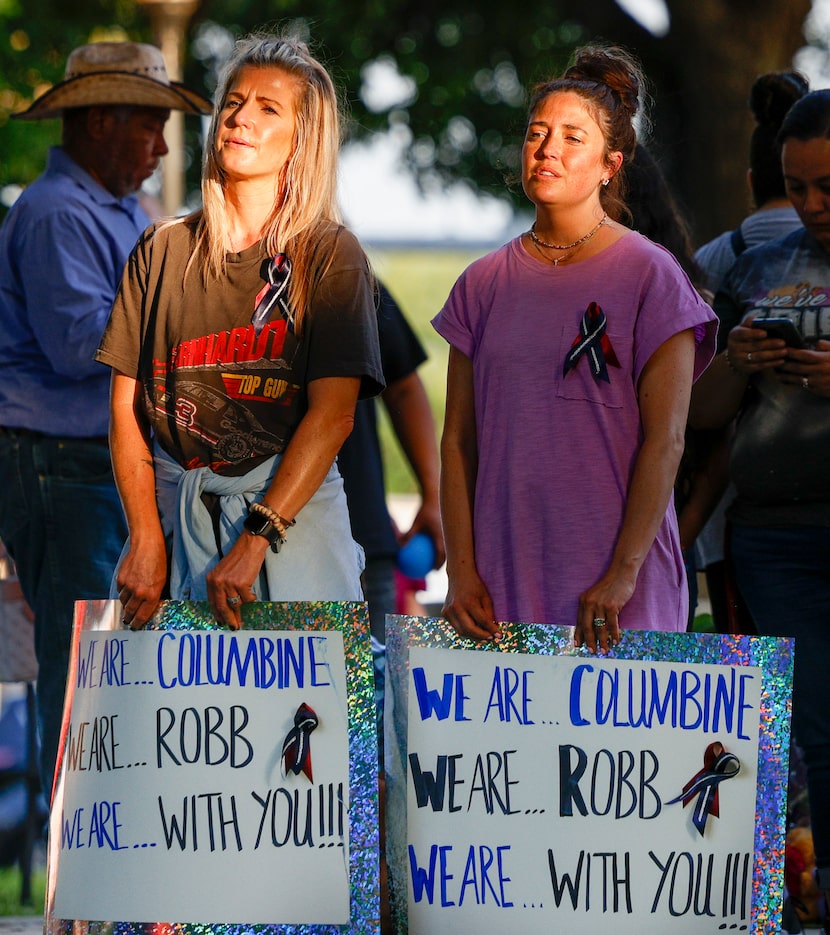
{"points": [[221, 420]]}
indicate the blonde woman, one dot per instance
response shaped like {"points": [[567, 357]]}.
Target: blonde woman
{"points": [[240, 341]]}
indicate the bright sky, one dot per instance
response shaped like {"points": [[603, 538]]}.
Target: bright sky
{"points": [[381, 201]]}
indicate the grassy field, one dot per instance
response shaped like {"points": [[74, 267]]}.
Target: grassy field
{"points": [[420, 280], [10, 893]]}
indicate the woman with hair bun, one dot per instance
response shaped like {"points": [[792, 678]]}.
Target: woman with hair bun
{"points": [[240, 341], [770, 97], [573, 351]]}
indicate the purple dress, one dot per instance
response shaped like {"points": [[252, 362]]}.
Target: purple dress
{"points": [[556, 450]]}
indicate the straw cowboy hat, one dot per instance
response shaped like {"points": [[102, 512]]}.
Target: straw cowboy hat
{"points": [[127, 73]]}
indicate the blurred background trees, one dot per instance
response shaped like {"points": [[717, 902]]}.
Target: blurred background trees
{"points": [[450, 76]]}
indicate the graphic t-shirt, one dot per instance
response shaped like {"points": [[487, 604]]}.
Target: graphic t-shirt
{"points": [[780, 457], [219, 391]]}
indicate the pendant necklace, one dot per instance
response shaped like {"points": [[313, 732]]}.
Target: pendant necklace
{"points": [[573, 247], [554, 261]]}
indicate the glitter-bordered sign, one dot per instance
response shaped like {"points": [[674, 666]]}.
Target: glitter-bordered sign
{"points": [[536, 788], [214, 780]]}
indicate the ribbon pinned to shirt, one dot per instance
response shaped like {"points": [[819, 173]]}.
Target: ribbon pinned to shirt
{"points": [[594, 343], [296, 748], [276, 274], [718, 766]]}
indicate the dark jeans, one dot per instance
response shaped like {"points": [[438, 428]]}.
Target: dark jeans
{"points": [[379, 591], [61, 521], [784, 577]]}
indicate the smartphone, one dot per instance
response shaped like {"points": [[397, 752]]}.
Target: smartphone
{"points": [[783, 328]]}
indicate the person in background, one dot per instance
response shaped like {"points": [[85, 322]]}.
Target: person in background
{"points": [[771, 96], [240, 341], [63, 247], [361, 462], [777, 388], [656, 214], [573, 351]]}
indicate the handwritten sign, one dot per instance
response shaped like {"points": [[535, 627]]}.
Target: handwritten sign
{"points": [[211, 770], [544, 789]]}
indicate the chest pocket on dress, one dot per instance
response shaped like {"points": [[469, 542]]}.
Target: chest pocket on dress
{"points": [[579, 383]]}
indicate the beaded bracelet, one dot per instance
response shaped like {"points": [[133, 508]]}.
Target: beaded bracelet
{"points": [[729, 364], [280, 523]]}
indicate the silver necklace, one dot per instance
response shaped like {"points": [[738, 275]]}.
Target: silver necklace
{"points": [[556, 260], [566, 246]]}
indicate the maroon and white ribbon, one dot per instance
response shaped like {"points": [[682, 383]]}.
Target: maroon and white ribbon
{"points": [[296, 748], [718, 766]]}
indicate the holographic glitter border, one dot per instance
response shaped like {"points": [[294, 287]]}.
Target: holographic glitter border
{"points": [[773, 656], [352, 620]]}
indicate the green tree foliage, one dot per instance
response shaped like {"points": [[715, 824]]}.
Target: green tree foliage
{"points": [[464, 65], [469, 62], [35, 38]]}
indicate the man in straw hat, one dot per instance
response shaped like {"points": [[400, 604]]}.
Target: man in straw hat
{"points": [[63, 247]]}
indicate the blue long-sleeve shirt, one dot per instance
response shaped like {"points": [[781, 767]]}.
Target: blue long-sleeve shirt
{"points": [[63, 247]]}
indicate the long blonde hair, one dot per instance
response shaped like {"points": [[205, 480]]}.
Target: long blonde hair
{"points": [[308, 191]]}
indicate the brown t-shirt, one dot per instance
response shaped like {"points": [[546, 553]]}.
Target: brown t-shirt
{"points": [[217, 393]]}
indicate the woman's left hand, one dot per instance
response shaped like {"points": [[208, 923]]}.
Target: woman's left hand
{"points": [[809, 369], [602, 602], [230, 582]]}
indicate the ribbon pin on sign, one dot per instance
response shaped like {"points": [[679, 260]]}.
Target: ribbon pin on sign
{"points": [[296, 748], [718, 765]]}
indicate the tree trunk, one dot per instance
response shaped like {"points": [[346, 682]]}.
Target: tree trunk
{"points": [[716, 49], [701, 73]]}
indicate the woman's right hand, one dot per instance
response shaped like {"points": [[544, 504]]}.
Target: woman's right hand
{"points": [[469, 608], [141, 580], [750, 350], [230, 583], [142, 574]]}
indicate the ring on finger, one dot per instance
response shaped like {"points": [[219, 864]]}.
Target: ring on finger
{"points": [[599, 622], [233, 601], [749, 357], [805, 383]]}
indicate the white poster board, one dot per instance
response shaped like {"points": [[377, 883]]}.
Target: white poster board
{"points": [[559, 791], [211, 770]]}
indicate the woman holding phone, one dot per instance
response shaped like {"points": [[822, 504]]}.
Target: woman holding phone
{"points": [[781, 452], [783, 328]]}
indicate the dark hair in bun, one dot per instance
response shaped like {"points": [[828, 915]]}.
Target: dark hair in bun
{"points": [[612, 85], [771, 97]]}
